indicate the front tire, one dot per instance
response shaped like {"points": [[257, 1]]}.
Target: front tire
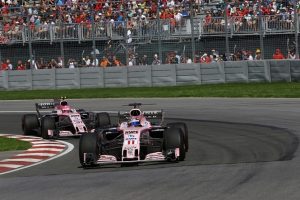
{"points": [[48, 123], [89, 145], [29, 123], [185, 131], [173, 138]]}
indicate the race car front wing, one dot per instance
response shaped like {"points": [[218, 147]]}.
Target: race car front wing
{"points": [[171, 155]]}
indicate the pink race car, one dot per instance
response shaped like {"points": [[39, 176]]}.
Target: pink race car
{"points": [[138, 137], [62, 120]]}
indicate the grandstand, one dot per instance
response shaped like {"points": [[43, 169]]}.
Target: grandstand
{"points": [[60, 33]]}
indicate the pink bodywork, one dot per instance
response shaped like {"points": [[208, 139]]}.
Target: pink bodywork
{"points": [[131, 143], [74, 116]]}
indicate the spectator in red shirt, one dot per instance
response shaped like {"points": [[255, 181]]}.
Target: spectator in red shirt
{"points": [[278, 55], [20, 65], [4, 66]]}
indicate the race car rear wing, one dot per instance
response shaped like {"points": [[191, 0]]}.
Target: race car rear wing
{"points": [[44, 106], [156, 117]]}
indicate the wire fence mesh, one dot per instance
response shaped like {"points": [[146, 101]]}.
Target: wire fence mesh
{"points": [[55, 39]]}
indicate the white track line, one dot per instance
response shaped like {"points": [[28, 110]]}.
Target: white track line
{"points": [[48, 145], [21, 160], [23, 137], [44, 142], [44, 149], [10, 165], [36, 154], [70, 147], [28, 140]]}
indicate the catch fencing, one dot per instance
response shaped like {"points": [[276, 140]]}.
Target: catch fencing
{"points": [[152, 75]]}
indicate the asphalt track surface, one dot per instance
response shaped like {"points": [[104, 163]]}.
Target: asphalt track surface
{"points": [[239, 149]]}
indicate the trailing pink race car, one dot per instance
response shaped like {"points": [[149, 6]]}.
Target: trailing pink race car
{"points": [[62, 120], [139, 136]]}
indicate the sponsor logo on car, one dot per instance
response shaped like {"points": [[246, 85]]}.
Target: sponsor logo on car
{"points": [[131, 132]]}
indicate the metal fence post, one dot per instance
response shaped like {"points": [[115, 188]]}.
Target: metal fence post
{"points": [[29, 42], [159, 33], [126, 41], [226, 30], [261, 33], [296, 25], [62, 54], [93, 33], [192, 29]]}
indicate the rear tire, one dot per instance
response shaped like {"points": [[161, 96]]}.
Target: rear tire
{"points": [[173, 138], [48, 123], [29, 123], [102, 120], [185, 131], [89, 143]]}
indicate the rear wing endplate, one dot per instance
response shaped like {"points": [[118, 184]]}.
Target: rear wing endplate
{"points": [[44, 106]]}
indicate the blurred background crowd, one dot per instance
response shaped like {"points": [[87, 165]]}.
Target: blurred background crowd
{"points": [[109, 22]]}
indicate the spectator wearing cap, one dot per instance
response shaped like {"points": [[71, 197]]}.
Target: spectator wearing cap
{"points": [[205, 58], [278, 55], [257, 54], [156, 61]]}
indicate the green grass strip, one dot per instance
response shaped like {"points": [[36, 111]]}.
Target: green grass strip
{"points": [[276, 90], [10, 144]]}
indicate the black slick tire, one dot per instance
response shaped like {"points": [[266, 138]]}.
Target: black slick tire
{"points": [[89, 144], [173, 138], [102, 120], [30, 123], [185, 131], [47, 123]]}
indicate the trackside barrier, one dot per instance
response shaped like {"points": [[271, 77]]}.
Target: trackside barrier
{"points": [[212, 73], [188, 74], [43, 79], [150, 76], [256, 71], [139, 76], [295, 70], [91, 77], [236, 71], [280, 70]]}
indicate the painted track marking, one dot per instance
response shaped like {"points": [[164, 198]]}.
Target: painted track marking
{"points": [[41, 151]]}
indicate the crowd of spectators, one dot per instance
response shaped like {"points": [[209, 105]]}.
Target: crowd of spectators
{"points": [[244, 15], [172, 57], [110, 16], [138, 16]]}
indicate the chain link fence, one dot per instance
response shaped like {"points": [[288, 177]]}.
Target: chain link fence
{"points": [[140, 40]]}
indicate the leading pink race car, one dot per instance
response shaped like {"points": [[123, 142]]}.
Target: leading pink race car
{"points": [[139, 136]]}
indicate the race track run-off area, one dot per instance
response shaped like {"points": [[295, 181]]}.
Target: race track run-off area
{"points": [[239, 149]]}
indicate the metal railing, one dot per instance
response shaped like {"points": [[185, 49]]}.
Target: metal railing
{"points": [[130, 35], [166, 29]]}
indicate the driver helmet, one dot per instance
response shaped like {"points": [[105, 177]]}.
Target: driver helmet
{"points": [[65, 108], [135, 122]]}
